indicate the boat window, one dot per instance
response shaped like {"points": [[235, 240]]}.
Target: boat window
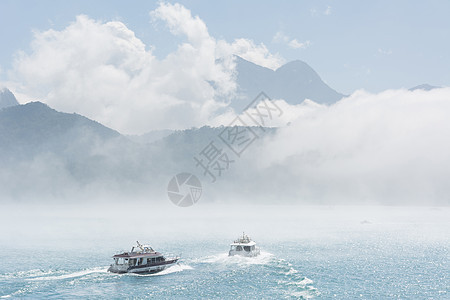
{"points": [[247, 248], [238, 248], [253, 247]]}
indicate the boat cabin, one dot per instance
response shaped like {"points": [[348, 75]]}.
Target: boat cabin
{"points": [[130, 260], [244, 246]]}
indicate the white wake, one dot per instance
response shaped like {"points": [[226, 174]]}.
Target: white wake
{"points": [[72, 275]]}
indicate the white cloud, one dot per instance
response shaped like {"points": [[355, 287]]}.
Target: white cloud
{"points": [[298, 45], [314, 12], [281, 37], [288, 114], [390, 147], [258, 54], [181, 22], [384, 52], [103, 71]]}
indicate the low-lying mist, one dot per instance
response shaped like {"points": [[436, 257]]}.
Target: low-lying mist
{"points": [[389, 148], [118, 225]]}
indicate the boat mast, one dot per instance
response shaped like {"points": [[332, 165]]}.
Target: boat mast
{"points": [[139, 245]]}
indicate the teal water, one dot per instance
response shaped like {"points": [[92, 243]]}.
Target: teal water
{"points": [[376, 259]]}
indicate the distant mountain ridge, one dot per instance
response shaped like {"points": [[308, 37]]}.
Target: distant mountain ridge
{"points": [[37, 124], [47, 155], [7, 98], [425, 87], [294, 82], [50, 154]]}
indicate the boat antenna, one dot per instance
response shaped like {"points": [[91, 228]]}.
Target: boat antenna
{"points": [[140, 246]]}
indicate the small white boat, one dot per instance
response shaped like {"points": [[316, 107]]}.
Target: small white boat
{"points": [[142, 259], [244, 246]]}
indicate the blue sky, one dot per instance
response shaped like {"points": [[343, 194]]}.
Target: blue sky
{"points": [[373, 45]]}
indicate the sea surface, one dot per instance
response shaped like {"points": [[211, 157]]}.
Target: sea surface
{"points": [[323, 253]]}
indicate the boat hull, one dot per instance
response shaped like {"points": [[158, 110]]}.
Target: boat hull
{"points": [[244, 253], [145, 269]]}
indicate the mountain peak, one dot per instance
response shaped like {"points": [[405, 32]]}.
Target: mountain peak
{"points": [[294, 82], [295, 64], [300, 70], [7, 98], [425, 87]]}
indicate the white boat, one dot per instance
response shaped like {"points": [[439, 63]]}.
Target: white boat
{"points": [[142, 259], [244, 246]]}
